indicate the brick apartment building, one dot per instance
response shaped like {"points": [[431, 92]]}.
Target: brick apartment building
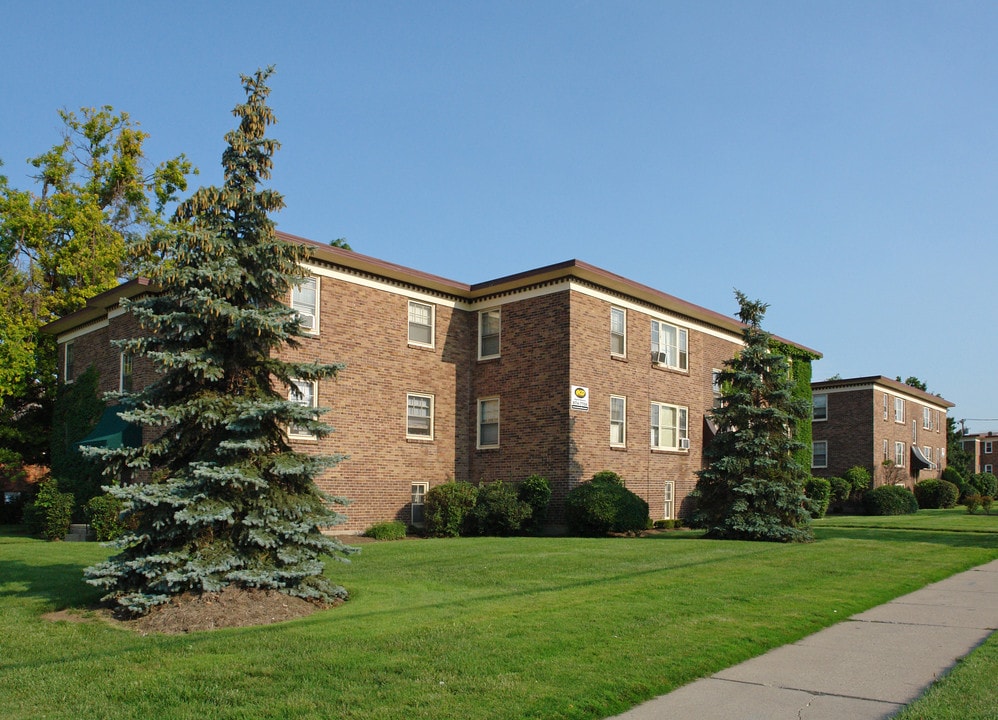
{"points": [[983, 449], [869, 420], [561, 371]]}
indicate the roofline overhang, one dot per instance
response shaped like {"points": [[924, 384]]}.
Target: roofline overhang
{"points": [[871, 380], [97, 307]]}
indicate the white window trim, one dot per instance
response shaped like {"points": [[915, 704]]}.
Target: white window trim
{"points": [[886, 407], [887, 450], [814, 406], [623, 335], [899, 405], [622, 422], [682, 360], [899, 451], [814, 445], [988, 447], [314, 330], [478, 423], [926, 418], [433, 324], [418, 436], [313, 403], [682, 429], [669, 499], [481, 316], [988, 468]]}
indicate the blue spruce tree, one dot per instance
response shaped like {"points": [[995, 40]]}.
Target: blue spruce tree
{"points": [[753, 486], [230, 502]]}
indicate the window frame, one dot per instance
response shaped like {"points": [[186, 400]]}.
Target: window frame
{"points": [[659, 328], [989, 468], [988, 447], [927, 418], [887, 413], [479, 422], [298, 306], [482, 314], [899, 410], [815, 454], [681, 428], [814, 407], [312, 402], [418, 490], [620, 422], [409, 434], [899, 452], [622, 313], [669, 500], [432, 326], [69, 361], [126, 362]]}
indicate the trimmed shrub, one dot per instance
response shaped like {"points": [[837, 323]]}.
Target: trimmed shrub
{"points": [[498, 510], [667, 524], [817, 494], [104, 515], [51, 512], [604, 505], [984, 483], [393, 530], [973, 502], [890, 500], [447, 508], [840, 489], [934, 494], [536, 492], [859, 480], [951, 474]]}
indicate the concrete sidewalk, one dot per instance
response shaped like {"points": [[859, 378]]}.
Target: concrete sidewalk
{"points": [[865, 668]]}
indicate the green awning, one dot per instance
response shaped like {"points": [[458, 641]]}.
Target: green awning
{"points": [[113, 432]]}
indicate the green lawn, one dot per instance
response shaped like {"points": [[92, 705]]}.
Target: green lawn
{"points": [[470, 628]]}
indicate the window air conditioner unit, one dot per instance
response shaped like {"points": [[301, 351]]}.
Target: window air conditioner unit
{"points": [[684, 443], [659, 358], [307, 320]]}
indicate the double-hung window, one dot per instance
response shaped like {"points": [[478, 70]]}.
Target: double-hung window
{"points": [[618, 421], [899, 410], [988, 447], [419, 416], [420, 324], [488, 423], [669, 429], [303, 392], [886, 401], [418, 506], [669, 345], [819, 407], [489, 326], [305, 299], [69, 369], [926, 418], [618, 331], [819, 454], [899, 454]]}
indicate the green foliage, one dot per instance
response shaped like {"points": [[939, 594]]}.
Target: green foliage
{"points": [[818, 492], [984, 483], [973, 503], [604, 505], [536, 492], [951, 474], [393, 530], [840, 489], [986, 502], [77, 409], [447, 508], [934, 494], [498, 510], [104, 515], [859, 479], [235, 503], [51, 511], [890, 500], [667, 524], [753, 485]]}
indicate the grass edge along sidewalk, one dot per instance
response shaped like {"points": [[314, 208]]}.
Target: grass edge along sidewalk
{"points": [[470, 628]]}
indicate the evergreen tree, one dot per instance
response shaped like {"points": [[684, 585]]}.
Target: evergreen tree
{"points": [[753, 487], [230, 502]]}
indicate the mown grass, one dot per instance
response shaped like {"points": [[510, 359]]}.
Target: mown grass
{"points": [[469, 628]]}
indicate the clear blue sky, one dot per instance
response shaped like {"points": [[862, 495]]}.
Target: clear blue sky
{"points": [[835, 159]]}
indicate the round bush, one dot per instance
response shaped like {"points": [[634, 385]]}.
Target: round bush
{"points": [[951, 474], [890, 500], [104, 515], [536, 492], [447, 508], [934, 494], [859, 479], [818, 493], [840, 489], [393, 530], [604, 505], [984, 483], [498, 510]]}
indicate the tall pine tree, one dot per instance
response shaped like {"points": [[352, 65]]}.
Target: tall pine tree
{"points": [[752, 487], [230, 503]]}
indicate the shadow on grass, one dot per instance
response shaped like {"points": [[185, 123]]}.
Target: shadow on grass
{"points": [[61, 584], [987, 540]]}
